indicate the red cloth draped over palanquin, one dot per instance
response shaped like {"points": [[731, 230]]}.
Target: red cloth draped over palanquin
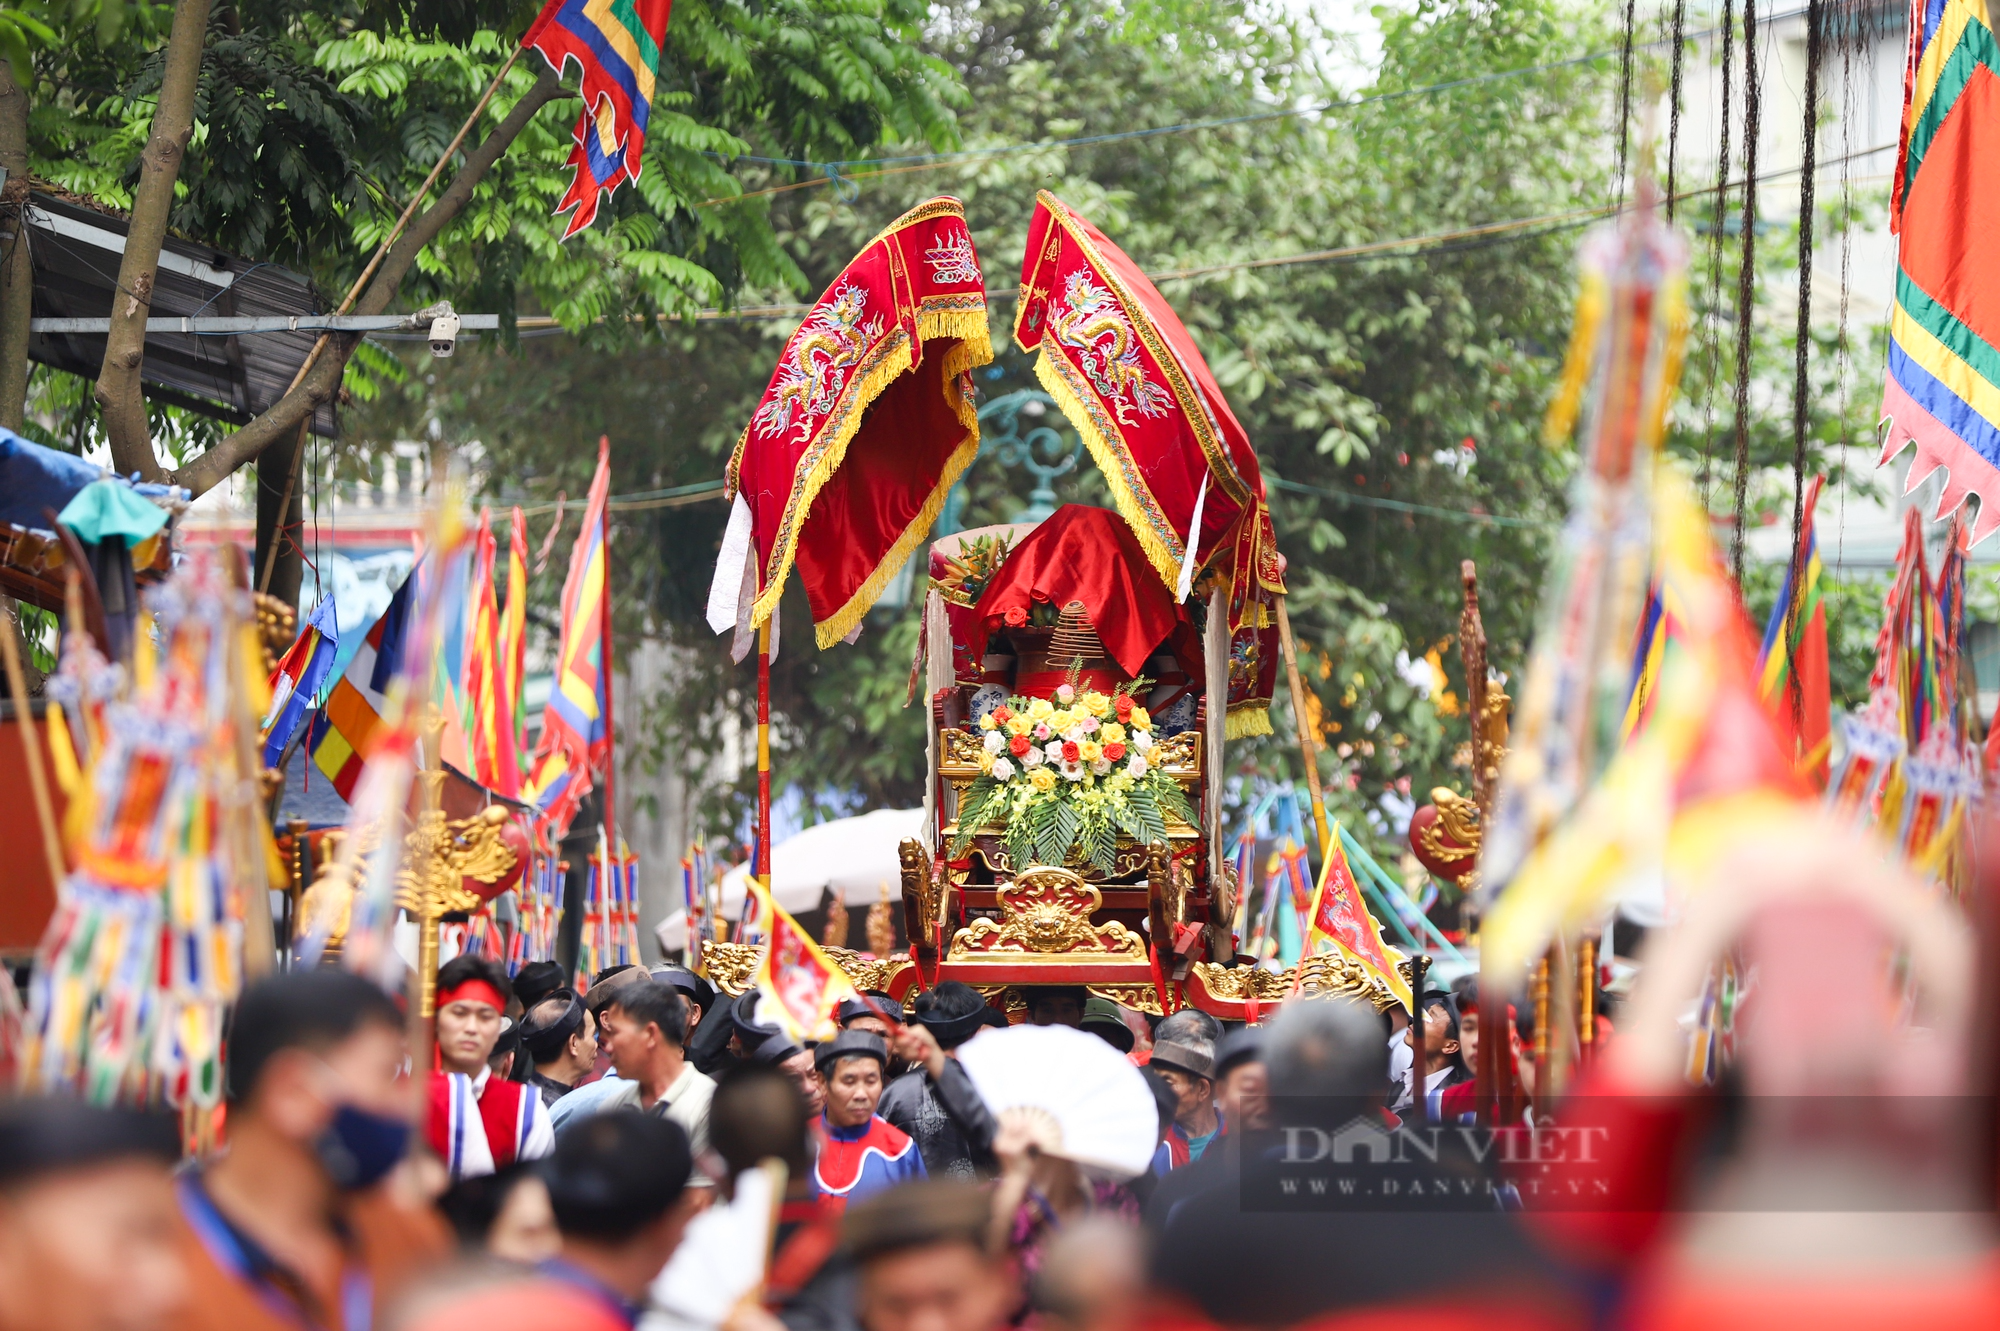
{"points": [[1090, 556], [1124, 370], [868, 420]]}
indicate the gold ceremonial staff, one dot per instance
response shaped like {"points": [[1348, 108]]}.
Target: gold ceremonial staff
{"points": [[438, 856]]}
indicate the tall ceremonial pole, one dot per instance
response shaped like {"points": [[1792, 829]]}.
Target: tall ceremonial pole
{"points": [[610, 818], [1308, 748], [762, 868]]}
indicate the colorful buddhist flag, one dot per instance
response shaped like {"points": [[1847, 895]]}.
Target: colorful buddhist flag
{"points": [[798, 985], [1792, 672], [343, 735], [575, 742], [301, 674], [489, 720], [1942, 390], [1338, 920], [617, 47]]}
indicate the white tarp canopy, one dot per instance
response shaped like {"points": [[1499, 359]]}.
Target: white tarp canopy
{"points": [[855, 857]]}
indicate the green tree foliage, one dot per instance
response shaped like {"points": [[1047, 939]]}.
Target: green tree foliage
{"points": [[1410, 378], [316, 124]]}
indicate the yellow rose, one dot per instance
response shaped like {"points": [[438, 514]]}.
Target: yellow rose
{"points": [[1040, 709], [1139, 720], [1043, 779], [1018, 724], [1111, 732], [987, 722], [1089, 751], [1097, 704], [1153, 756], [985, 762], [1059, 720]]}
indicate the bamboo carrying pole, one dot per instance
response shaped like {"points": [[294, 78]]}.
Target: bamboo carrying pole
{"points": [[1308, 748], [38, 781]]}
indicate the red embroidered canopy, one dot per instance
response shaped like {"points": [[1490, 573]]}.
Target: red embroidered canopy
{"points": [[867, 423], [1128, 376]]}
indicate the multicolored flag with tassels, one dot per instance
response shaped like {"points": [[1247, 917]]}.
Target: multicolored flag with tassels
{"points": [[617, 47], [301, 674], [576, 742], [1942, 390], [798, 985], [1339, 917], [1792, 667]]}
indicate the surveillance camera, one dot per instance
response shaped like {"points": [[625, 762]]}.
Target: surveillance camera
{"points": [[444, 334]]}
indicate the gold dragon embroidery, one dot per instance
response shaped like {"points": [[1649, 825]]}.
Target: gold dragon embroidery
{"points": [[1106, 349], [816, 366]]}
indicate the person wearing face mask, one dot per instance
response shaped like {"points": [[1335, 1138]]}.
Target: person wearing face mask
{"points": [[479, 1122], [300, 1222]]}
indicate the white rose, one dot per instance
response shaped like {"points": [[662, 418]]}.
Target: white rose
{"points": [[1076, 734], [1102, 767], [1137, 767], [1053, 751], [1032, 759], [1072, 771], [995, 741], [1002, 769]]}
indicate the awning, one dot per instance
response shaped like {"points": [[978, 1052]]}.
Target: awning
{"points": [[76, 253]]}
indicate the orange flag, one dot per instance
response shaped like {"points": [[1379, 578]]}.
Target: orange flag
{"points": [[1339, 916], [798, 985]]}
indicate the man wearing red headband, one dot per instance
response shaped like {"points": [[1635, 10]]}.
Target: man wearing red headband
{"points": [[479, 1122]]}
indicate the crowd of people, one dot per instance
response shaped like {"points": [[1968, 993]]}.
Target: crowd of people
{"points": [[652, 1153]]}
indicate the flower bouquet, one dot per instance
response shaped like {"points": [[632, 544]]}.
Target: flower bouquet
{"points": [[1072, 772]]}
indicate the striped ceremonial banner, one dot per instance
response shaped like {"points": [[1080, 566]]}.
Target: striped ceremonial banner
{"points": [[296, 683], [488, 709], [1942, 390], [617, 47], [575, 740]]}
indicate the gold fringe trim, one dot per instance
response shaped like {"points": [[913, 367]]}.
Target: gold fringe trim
{"points": [[1247, 720], [973, 349], [1106, 455]]}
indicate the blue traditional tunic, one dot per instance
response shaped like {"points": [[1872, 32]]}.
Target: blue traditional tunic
{"points": [[854, 1162]]}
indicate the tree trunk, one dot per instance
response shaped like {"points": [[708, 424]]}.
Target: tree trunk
{"points": [[274, 468], [17, 270], [120, 395], [204, 472]]}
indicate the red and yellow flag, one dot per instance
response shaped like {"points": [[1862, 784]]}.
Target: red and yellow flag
{"points": [[798, 986], [488, 719], [514, 636], [1339, 916]]}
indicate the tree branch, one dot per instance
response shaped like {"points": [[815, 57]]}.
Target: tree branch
{"points": [[323, 382], [119, 392]]}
